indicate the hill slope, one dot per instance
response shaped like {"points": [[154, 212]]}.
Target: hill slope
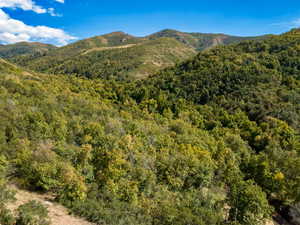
{"points": [[116, 55], [182, 147], [107, 162], [61, 54], [24, 48], [122, 56], [133, 61], [239, 72], [9, 68], [203, 41], [258, 79], [58, 214]]}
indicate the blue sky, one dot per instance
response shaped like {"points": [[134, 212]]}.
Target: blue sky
{"points": [[71, 20]]}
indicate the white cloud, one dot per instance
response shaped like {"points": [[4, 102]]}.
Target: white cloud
{"points": [[28, 5], [22, 4], [12, 31]]}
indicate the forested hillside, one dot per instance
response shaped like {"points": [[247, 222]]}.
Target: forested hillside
{"points": [[125, 62], [202, 41], [121, 56], [260, 78], [74, 49], [211, 141], [24, 48]]}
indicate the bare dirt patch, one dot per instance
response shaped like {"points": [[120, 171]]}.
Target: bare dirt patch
{"points": [[59, 215], [108, 48]]}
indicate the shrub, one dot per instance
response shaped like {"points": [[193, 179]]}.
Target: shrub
{"points": [[33, 213]]}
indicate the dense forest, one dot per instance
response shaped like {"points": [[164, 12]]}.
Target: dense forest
{"points": [[213, 140]]}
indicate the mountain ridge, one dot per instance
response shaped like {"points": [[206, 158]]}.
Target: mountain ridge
{"points": [[203, 41], [80, 58]]}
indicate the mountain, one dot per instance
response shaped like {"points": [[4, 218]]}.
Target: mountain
{"points": [[24, 48], [132, 61], [212, 140], [122, 56], [202, 41], [239, 72], [257, 80], [116, 55], [108, 40]]}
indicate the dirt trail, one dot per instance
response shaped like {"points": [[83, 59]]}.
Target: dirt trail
{"points": [[59, 215], [108, 48]]}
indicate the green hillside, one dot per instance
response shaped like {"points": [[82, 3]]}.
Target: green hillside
{"points": [[121, 56], [258, 79], [261, 77], [59, 55], [211, 141], [6, 67], [126, 62], [202, 41], [111, 163], [107, 40], [24, 48]]}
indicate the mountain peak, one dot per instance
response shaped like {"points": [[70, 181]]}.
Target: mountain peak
{"points": [[116, 33], [168, 30]]}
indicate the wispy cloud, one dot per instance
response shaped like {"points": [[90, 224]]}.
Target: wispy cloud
{"points": [[60, 1], [52, 12], [296, 23], [289, 24]]}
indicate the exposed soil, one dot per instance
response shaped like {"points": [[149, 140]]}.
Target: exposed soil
{"points": [[59, 215], [108, 48]]}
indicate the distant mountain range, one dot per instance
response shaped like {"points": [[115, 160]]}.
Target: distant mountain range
{"points": [[116, 55]]}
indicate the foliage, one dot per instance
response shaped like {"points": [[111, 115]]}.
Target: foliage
{"points": [[202, 41], [24, 48], [121, 56], [249, 204], [131, 61], [32, 213], [213, 140]]}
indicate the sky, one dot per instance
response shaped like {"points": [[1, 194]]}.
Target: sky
{"points": [[60, 22]]}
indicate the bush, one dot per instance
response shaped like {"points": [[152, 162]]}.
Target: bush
{"points": [[249, 204], [32, 213], [6, 217]]}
